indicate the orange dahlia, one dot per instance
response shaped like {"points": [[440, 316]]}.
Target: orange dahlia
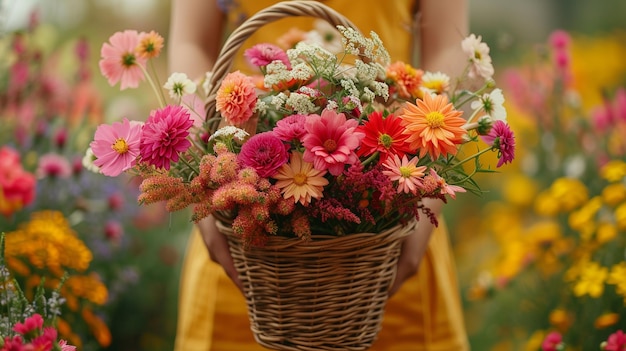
{"points": [[434, 126]]}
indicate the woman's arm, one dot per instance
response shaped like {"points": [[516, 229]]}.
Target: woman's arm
{"points": [[442, 25], [195, 38]]}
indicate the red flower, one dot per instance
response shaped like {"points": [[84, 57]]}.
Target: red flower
{"points": [[616, 342], [383, 135]]}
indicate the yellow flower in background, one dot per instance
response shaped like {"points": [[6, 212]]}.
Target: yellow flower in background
{"points": [[620, 216], [88, 287], [606, 232], [561, 319], [546, 204], [535, 341], [515, 256], [614, 171], [583, 220], [520, 190], [606, 320], [614, 194], [617, 277], [571, 193], [591, 280]]}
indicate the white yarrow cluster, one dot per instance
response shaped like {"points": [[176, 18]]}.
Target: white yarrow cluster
{"points": [[237, 134], [372, 48], [301, 103]]}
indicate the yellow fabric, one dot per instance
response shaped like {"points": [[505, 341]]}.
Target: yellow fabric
{"points": [[426, 313]]}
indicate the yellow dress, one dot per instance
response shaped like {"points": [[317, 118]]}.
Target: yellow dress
{"points": [[425, 314]]}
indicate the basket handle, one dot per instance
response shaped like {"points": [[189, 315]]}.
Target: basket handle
{"points": [[270, 14]]}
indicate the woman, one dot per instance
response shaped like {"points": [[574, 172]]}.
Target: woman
{"points": [[424, 311]]}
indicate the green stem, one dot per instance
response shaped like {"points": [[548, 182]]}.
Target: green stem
{"points": [[474, 156], [156, 78], [159, 95], [370, 159]]}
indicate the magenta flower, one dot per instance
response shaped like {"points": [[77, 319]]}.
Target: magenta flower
{"points": [[116, 147], [263, 54], [616, 342], [501, 137], [265, 153], [552, 342], [291, 128], [53, 165], [330, 141], [164, 136], [119, 61], [31, 324]]}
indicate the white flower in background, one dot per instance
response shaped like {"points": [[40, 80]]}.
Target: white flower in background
{"points": [[478, 54], [326, 36], [88, 161], [178, 85], [206, 84], [436, 82], [492, 104]]}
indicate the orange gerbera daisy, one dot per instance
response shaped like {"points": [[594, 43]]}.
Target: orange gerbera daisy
{"points": [[300, 181], [434, 126]]}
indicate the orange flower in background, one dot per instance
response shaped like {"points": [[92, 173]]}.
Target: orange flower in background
{"points": [[150, 44], [407, 79], [434, 126]]}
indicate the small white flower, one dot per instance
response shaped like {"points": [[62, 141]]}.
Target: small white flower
{"points": [[301, 103], [478, 54], [237, 133], [206, 84], [88, 160], [492, 104], [276, 72], [178, 85]]}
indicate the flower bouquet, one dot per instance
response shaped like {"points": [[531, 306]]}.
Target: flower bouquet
{"points": [[315, 173]]}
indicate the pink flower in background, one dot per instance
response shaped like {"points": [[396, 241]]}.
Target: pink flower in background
{"points": [[236, 98], [116, 147], [478, 54], [552, 342], [331, 141], [501, 137], [616, 342], [265, 153], [560, 39], [53, 165], [164, 136], [113, 230], [261, 55], [65, 347], [32, 323], [119, 61], [405, 172], [291, 128], [17, 187], [619, 105]]}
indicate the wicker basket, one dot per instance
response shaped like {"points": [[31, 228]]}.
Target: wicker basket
{"points": [[325, 294]]}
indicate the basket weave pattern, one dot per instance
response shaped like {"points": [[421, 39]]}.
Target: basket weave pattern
{"points": [[325, 294], [328, 293]]}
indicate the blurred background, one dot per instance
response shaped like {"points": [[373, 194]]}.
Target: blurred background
{"points": [[541, 251]]}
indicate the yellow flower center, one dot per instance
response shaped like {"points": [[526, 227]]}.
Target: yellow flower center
{"points": [[299, 179], [435, 119], [385, 140], [330, 145], [405, 172], [477, 55], [120, 146]]}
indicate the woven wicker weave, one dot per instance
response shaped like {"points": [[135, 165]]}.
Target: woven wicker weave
{"points": [[325, 294]]}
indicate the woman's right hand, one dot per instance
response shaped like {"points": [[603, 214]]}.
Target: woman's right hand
{"points": [[217, 246]]}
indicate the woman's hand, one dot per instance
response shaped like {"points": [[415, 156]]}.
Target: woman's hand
{"points": [[217, 246]]}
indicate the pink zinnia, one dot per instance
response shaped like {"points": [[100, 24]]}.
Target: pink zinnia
{"points": [[501, 137], [17, 187], [291, 128], [263, 54], [405, 172], [53, 165], [616, 342], [119, 60], [551, 342], [116, 147], [265, 153], [236, 98], [164, 136], [330, 141]]}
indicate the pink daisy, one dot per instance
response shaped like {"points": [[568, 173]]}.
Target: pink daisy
{"points": [[53, 165], [406, 172], [164, 136], [32, 323], [552, 342], [330, 141], [261, 55], [65, 346], [291, 128], [445, 188], [236, 98], [265, 153], [501, 137], [116, 147], [119, 60], [300, 181]]}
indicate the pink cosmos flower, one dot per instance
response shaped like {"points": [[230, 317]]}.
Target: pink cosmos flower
{"points": [[32, 323], [164, 136], [119, 60], [116, 147], [65, 347], [53, 165], [17, 187], [619, 105], [261, 55], [291, 128], [478, 54], [236, 98], [552, 342], [445, 188], [330, 141], [405, 172], [501, 137], [265, 153], [616, 342]]}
